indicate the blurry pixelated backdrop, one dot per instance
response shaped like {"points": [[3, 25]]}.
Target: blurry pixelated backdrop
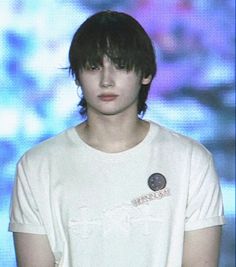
{"points": [[193, 92]]}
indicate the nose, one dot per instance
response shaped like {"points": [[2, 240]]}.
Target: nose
{"points": [[107, 76]]}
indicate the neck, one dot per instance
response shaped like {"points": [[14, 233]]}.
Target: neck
{"points": [[113, 133]]}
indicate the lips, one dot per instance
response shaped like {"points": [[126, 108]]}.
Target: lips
{"points": [[107, 97]]}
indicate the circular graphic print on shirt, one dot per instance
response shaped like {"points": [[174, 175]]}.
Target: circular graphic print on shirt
{"points": [[157, 181]]}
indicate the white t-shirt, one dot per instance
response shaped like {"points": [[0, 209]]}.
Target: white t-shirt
{"points": [[97, 208]]}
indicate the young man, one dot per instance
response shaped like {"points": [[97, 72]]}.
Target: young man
{"points": [[116, 190]]}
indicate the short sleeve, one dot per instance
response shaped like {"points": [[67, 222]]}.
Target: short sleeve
{"points": [[24, 214], [205, 205]]}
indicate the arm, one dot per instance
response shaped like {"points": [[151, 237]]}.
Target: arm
{"points": [[201, 247], [33, 250]]}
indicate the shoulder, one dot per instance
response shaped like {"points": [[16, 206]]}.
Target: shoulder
{"points": [[51, 148], [175, 142]]}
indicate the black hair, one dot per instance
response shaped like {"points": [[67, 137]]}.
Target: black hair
{"points": [[120, 37]]}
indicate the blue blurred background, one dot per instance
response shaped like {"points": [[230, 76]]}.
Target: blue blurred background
{"points": [[193, 92]]}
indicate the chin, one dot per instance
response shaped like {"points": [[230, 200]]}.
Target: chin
{"points": [[112, 111]]}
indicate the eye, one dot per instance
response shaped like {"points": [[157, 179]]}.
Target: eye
{"points": [[92, 67], [120, 66]]}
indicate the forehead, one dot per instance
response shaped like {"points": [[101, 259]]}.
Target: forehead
{"points": [[119, 37], [114, 36], [112, 49]]}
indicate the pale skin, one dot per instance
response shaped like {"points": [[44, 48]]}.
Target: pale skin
{"points": [[110, 127]]}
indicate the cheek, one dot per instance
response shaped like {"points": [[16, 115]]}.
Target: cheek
{"points": [[87, 78], [85, 82], [88, 94], [133, 88], [88, 86], [132, 81]]}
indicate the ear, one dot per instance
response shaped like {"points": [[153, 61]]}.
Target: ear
{"points": [[146, 80]]}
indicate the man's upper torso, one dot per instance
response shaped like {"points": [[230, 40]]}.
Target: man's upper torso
{"points": [[98, 209]]}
